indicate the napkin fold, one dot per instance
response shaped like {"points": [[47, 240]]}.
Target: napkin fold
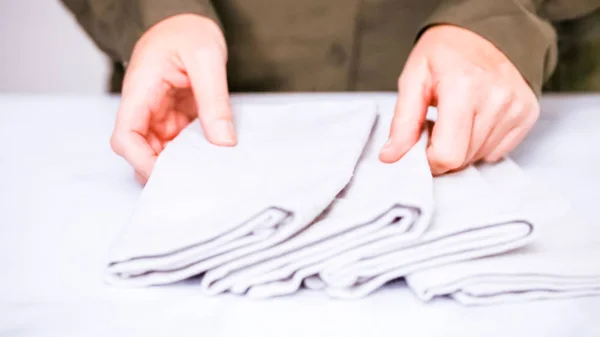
{"points": [[303, 199], [561, 262], [205, 205], [473, 217], [382, 201]]}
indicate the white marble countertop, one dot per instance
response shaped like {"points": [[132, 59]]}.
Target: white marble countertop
{"points": [[64, 195]]}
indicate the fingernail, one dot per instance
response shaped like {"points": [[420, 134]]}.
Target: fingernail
{"points": [[224, 133], [388, 154], [387, 145]]}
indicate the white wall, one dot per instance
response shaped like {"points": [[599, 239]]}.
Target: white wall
{"points": [[43, 50]]}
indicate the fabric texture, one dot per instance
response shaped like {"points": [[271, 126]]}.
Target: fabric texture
{"points": [[206, 205], [303, 200], [382, 202], [561, 261], [473, 217]]}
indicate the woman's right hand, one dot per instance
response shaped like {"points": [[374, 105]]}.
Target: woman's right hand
{"points": [[177, 72]]}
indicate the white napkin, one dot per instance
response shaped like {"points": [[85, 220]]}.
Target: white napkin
{"points": [[383, 201], [473, 217], [206, 205], [562, 261]]}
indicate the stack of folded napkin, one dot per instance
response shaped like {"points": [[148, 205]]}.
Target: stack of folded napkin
{"points": [[304, 201]]}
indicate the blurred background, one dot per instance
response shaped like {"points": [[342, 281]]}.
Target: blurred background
{"points": [[43, 50]]}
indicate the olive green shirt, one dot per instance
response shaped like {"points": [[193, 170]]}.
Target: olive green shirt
{"points": [[338, 45]]}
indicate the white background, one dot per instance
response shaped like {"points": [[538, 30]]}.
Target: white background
{"points": [[43, 50]]}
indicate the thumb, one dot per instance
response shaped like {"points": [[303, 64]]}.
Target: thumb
{"points": [[414, 97], [206, 68]]}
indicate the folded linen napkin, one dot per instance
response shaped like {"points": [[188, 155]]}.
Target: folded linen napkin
{"points": [[473, 217], [206, 205], [382, 201], [562, 261]]}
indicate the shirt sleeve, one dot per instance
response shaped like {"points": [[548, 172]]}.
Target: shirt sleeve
{"points": [[513, 26], [116, 25]]}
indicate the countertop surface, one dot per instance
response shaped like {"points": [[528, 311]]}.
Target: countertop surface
{"points": [[64, 196]]}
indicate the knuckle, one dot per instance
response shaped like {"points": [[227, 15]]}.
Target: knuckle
{"points": [[502, 95], [410, 71], [205, 47], [531, 119], [116, 143], [412, 80], [519, 106], [534, 109], [516, 110], [404, 81], [471, 74], [462, 79], [534, 115], [513, 116], [207, 50]]}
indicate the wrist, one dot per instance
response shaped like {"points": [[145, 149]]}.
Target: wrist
{"points": [[183, 30]]}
